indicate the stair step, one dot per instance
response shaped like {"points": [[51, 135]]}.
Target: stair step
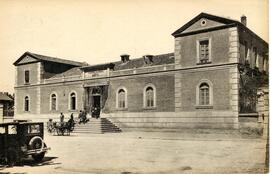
{"points": [[101, 125]]}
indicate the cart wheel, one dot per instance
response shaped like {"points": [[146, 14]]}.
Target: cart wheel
{"points": [[12, 157], [67, 132], [58, 131]]}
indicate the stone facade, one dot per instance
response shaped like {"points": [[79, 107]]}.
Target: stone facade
{"points": [[196, 86]]}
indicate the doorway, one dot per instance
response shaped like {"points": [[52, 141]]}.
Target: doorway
{"points": [[96, 101]]}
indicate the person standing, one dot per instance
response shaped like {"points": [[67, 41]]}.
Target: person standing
{"points": [[62, 118], [71, 122], [80, 117]]}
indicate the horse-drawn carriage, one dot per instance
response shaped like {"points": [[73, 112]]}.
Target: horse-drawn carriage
{"points": [[60, 128]]}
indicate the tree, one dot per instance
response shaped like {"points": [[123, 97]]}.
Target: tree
{"points": [[250, 81]]}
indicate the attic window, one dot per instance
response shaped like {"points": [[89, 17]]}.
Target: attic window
{"points": [[203, 22]]}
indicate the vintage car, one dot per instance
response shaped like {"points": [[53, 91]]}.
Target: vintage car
{"points": [[20, 139]]}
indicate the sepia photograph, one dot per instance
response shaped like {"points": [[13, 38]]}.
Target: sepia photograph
{"points": [[134, 87]]}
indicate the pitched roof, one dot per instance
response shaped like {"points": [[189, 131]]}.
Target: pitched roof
{"points": [[71, 72], [133, 63], [226, 21], [140, 62], [49, 59], [5, 97]]}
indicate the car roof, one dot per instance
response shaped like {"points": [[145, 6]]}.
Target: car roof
{"points": [[19, 122]]}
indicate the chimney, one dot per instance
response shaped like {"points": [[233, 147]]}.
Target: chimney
{"points": [[148, 58], [244, 20], [124, 58]]}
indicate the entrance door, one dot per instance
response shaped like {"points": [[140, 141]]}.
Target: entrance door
{"points": [[96, 101]]}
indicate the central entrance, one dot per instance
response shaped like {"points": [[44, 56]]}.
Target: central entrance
{"points": [[95, 97], [96, 101]]}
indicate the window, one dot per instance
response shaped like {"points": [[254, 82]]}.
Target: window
{"points": [[35, 128], [149, 95], [204, 51], [246, 50], [204, 94], [12, 129], [265, 64], [53, 102], [203, 22], [26, 103], [256, 62], [121, 99], [73, 101], [26, 76]]}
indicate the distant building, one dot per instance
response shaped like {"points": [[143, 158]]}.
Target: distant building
{"points": [[201, 84], [6, 106]]}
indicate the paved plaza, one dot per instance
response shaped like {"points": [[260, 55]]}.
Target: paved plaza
{"points": [[148, 153]]}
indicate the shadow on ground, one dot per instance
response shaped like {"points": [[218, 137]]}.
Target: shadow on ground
{"points": [[30, 162]]}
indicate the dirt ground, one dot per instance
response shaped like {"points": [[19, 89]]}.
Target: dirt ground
{"points": [[148, 152]]}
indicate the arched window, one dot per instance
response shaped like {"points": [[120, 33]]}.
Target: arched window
{"points": [[26, 103], [204, 94], [53, 102], [121, 98], [73, 101], [149, 96]]}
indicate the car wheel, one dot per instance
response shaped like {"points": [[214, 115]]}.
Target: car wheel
{"points": [[36, 143], [12, 157], [39, 157]]}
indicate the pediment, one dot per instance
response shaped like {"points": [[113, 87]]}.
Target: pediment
{"points": [[204, 21], [27, 59]]}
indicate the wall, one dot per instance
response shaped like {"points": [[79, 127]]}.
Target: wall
{"points": [[135, 84], [20, 94], [34, 73], [187, 45], [62, 92], [221, 88], [252, 42]]}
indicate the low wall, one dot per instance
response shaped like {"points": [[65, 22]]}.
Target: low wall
{"points": [[215, 119], [170, 120]]}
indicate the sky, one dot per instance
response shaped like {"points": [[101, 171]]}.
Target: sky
{"points": [[99, 31]]}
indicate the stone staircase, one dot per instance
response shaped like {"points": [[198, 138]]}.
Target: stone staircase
{"points": [[97, 126]]}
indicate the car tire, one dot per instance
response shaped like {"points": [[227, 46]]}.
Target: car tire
{"points": [[39, 157], [36, 143]]}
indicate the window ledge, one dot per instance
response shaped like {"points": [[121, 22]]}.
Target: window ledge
{"points": [[150, 108], [71, 110], [121, 109], [202, 63], [204, 106], [27, 83]]}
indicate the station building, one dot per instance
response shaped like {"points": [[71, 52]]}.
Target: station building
{"points": [[198, 85]]}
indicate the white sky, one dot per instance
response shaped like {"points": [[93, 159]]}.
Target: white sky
{"points": [[98, 31]]}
